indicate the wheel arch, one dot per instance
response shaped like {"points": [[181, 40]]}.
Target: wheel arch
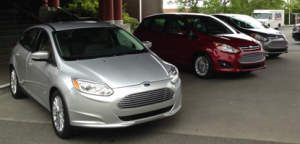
{"points": [[52, 90], [197, 53]]}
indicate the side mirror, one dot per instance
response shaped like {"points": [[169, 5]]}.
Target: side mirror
{"points": [[147, 44], [40, 56], [183, 33]]}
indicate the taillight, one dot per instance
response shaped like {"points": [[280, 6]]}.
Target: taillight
{"points": [[13, 46]]}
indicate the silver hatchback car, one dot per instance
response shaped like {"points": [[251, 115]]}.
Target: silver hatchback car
{"points": [[93, 74]]}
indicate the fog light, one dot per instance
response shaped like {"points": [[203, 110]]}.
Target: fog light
{"points": [[225, 64]]}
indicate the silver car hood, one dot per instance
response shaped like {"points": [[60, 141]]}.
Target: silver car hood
{"points": [[267, 30], [119, 71]]}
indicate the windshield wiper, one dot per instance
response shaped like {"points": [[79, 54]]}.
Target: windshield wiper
{"points": [[133, 52]]}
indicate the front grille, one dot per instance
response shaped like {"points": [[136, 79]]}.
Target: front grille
{"points": [[252, 47], [145, 115], [146, 98], [277, 44], [252, 58]]}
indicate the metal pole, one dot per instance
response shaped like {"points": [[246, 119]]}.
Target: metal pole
{"points": [[15, 15], [140, 10], [290, 12]]}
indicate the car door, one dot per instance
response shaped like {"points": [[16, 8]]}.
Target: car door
{"points": [[22, 53], [181, 41], [38, 71], [157, 36]]}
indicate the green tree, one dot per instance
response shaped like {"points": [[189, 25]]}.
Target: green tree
{"points": [[89, 8], [192, 5], [215, 6], [231, 6]]}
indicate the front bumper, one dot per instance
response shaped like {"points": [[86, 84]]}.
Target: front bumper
{"points": [[103, 112], [232, 63], [275, 46], [296, 36]]}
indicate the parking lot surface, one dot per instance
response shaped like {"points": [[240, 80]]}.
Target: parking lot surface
{"points": [[260, 107]]}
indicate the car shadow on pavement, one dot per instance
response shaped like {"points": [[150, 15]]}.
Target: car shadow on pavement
{"points": [[218, 75], [131, 134], [268, 58]]}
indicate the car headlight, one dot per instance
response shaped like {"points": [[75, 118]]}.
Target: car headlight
{"points": [[225, 48], [259, 37], [297, 29], [174, 75], [92, 87]]}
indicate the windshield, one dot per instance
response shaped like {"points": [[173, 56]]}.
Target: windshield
{"points": [[96, 42], [247, 22], [261, 15], [209, 25]]}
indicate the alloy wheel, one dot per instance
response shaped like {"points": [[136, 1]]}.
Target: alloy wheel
{"points": [[13, 82], [202, 66], [58, 114]]}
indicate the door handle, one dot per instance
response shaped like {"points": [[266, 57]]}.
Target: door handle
{"points": [[17, 54], [30, 63]]}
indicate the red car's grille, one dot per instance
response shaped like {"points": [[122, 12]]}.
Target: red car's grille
{"points": [[253, 47], [252, 58]]}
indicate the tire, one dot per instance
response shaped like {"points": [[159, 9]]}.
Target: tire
{"points": [[273, 55], [60, 116], [203, 66], [15, 87]]}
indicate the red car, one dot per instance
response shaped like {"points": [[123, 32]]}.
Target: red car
{"points": [[201, 41]]}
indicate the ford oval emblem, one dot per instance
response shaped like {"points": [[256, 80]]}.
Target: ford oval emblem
{"points": [[147, 84]]}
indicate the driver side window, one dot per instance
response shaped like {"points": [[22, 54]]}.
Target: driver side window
{"points": [[44, 43], [270, 16], [177, 26]]}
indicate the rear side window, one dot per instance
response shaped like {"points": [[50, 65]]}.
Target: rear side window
{"points": [[241, 23], [176, 26], [158, 24], [27, 39], [146, 22], [225, 20]]}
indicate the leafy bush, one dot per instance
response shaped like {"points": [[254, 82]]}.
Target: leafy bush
{"points": [[127, 19], [88, 8]]}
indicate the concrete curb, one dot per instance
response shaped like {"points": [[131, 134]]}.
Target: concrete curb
{"points": [[4, 86]]}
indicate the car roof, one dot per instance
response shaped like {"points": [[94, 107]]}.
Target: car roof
{"points": [[229, 15], [78, 24], [178, 14]]}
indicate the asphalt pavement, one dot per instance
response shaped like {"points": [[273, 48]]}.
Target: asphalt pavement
{"points": [[261, 107]]}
